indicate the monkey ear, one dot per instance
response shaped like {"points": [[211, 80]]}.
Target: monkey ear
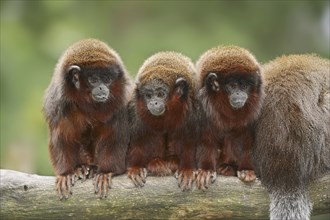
{"points": [[212, 82], [74, 71], [181, 87]]}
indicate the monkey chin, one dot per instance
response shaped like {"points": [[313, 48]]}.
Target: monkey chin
{"points": [[157, 113]]}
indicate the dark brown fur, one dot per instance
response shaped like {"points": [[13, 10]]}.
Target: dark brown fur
{"points": [[161, 145], [227, 133], [293, 132], [86, 136]]}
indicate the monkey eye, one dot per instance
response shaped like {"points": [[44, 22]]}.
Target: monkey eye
{"points": [[231, 85], [161, 94], [93, 80], [107, 80], [244, 86], [148, 96]]}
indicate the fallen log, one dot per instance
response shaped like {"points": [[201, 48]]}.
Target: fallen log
{"points": [[29, 196]]}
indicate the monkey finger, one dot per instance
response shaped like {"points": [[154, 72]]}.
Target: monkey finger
{"points": [[140, 181], [105, 187], [213, 176], [143, 174], [58, 189], [100, 184], [69, 184], [132, 177], [191, 180], [96, 182], [185, 181], [176, 174], [84, 173], [198, 181], [73, 179], [109, 180], [208, 179], [180, 179], [202, 181], [64, 190]]}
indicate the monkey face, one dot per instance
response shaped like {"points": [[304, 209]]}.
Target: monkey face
{"points": [[236, 87], [155, 94], [100, 87], [95, 81]]}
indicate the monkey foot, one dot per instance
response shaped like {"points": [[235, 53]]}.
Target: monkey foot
{"points": [[227, 170], [205, 178], [102, 183], [138, 175], [81, 172], [246, 175], [63, 186], [158, 167], [185, 177]]}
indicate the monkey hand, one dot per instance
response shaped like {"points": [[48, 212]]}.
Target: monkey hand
{"points": [[138, 175], [205, 178], [63, 185], [158, 167], [102, 183], [84, 172], [246, 175], [185, 177]]}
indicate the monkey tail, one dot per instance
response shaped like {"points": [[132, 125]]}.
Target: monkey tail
{"points": [[293, 205]]}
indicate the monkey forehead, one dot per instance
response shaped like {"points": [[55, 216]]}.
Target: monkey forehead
{"points": [[155, 84], [166, 75], [167, 66], [88, 52], [226, 59]]}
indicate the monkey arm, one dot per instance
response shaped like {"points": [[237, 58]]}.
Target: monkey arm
{"points": [[206, 155]]}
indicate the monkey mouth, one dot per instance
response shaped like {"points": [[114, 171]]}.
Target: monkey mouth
{"points": [[157, 112], [100, 98]]}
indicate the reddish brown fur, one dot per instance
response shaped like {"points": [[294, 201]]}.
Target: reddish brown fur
{"points": [[227, 129], [166, 143], [83, 132]]}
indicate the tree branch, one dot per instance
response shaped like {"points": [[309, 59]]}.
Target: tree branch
{"points": [[26, 196]]}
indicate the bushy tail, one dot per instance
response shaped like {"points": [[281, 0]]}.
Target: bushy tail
{"points": [[290, 205]]}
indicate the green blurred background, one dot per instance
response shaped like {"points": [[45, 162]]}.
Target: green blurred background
{"points": [[35, 33]]}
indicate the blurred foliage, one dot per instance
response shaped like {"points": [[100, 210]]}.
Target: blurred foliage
{"points": [[35, 33]]}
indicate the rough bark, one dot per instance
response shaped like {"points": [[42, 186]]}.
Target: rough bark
{"points": [[26, 196]]}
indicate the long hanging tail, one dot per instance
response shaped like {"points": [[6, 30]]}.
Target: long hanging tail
{"points": [[290, 205]]}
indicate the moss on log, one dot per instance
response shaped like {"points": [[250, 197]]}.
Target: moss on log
{"points": [[26, 196]]}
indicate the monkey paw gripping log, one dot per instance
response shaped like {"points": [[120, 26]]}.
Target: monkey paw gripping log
{"points": [[64, 183], [186, 178], [205, 178], [102, 183], [137, 175], [246, 175]]}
